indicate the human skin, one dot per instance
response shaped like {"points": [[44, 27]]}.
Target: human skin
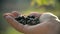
{"points": [[45, 27]]}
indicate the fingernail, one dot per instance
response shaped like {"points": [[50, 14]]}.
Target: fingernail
{"points": [[6, 16]]}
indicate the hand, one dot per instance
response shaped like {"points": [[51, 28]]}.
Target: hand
{"points": [[42, 28]]}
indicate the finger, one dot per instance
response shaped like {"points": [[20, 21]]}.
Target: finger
{"points": [[36, 14], [16, 14], [6, 14], [14, 23]]}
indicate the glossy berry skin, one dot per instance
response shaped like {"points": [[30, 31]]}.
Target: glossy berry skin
{"points": [[32, 20], [21, 19]]}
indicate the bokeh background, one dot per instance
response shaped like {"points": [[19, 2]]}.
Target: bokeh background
{"points": [[25, 7]]}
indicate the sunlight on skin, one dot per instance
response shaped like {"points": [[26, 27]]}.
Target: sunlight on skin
{"points": [[46, 27]]}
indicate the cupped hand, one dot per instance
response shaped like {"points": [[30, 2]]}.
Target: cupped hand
{"points": [[42, 28]]}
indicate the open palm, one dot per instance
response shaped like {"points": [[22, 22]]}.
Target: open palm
{"points": [[46, 27]]}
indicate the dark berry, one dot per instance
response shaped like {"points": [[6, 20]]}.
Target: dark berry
{"points": [[21, 19], [32, 20]]}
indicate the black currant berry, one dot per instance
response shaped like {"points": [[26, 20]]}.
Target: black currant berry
{"points": [[21, 19], [32, 20]]}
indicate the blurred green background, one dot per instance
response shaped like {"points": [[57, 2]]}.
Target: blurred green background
{"points": [[25, 7]]}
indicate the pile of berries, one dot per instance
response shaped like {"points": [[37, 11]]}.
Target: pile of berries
{"points": [[30, 20]]}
